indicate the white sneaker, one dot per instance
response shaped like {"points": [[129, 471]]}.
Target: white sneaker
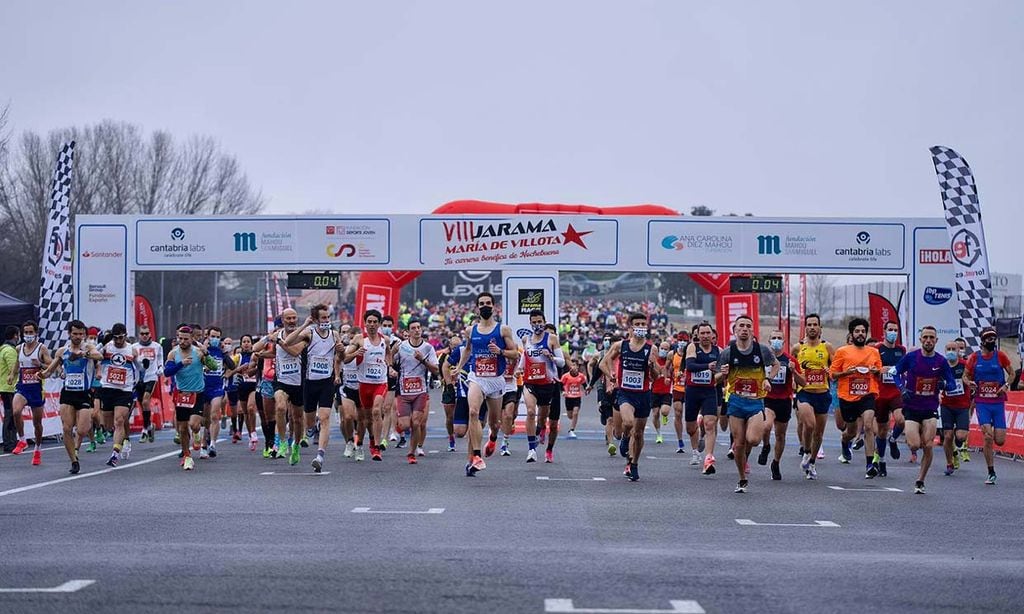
{"points": [[695, 458], [204, 453], [821, 453], [572, 434], [805, 464], [392, 437], [127, 449], [360, 455], [420, 452], [531, 456], [350, 447]]}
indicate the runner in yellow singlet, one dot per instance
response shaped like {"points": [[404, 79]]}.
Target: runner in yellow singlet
{"points": [[814, 399]]}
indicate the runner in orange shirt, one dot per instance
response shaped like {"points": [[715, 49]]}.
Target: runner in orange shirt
{"points": [[572, 384], [856, 368]]}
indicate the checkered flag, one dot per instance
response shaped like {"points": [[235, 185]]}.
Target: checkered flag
{"points": [[966, 242], [55, 306]]}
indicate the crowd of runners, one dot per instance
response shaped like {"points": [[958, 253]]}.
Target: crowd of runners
{"points": [[283, 391]]}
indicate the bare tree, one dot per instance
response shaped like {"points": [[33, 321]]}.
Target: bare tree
{"points": [[821, 295]]}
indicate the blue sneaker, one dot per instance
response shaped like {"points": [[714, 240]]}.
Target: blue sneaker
{"points": [[470, 470], [624, 447], [847, 455]]}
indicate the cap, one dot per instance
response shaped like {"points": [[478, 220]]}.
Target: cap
{"points": [[93, 331], [988, 331]]}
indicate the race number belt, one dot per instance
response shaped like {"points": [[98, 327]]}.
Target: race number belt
{"points": [[859, 386], [184, 399], [486, 366]]}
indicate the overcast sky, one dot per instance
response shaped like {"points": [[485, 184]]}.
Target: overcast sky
{"points": [[774, 108]]}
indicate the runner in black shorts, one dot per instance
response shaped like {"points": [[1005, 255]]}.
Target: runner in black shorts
{"points": [[779, 403]]}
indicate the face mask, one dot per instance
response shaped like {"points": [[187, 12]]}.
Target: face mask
{"points": [[961, 353], [486, 312], [91, 341], [30, 338], [777, 345], [538, 328], [385, 330], [640, 332], [228, 348], [988, 345], [662, 353], [324, 325], [214, 342], [952, 355], [890, 336]]}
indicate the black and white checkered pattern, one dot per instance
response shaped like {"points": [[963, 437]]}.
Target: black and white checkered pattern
{"points": [[960, 201], [55, 291]]}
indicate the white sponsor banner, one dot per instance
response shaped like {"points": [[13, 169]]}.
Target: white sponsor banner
{"points": [[320, 242], [932, 287], [1006, 285], [526, 291], [539, 239], [102, 280], [810, 246]]}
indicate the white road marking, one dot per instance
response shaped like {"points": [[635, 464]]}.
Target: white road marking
{"points": [[546, 478], [286, 473], [28, 451], [70, 586], [880, 489], [678, 607], [366, 510], [817, 523]]}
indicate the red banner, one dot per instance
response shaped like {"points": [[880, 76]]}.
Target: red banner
{"points": [[730, 307], [1014, 427], [144, 314], [882, 311], [715, 283]]}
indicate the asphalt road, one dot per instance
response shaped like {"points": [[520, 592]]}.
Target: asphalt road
{"points": [[229, 538]]}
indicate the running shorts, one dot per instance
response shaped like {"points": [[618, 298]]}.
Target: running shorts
{"points": [[851, 410]]}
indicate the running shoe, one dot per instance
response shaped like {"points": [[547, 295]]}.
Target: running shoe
{"points": [[762, 458], [92, 446], [802, 451], [612, 449], [549, 456], [681, 450], [813, 472], [350, 448], [111, 462], [741, 487], [956, 460], [894, 449], [805, 464], [625, 471], [253, 442], [919, 487], [504, 450], [75, 468], [470, 470], [913, 456], [531, 456], [846, 455], [572, 434], [451, 445], [375, 453], [659, 439], [37, 457], [664, 420], [20, 447], [294, 458], [883, 470], [283, 451], [235, 438], [360, 454], [965, 454], [393, 436], [776, 471], [420, 452], [204, 453], [695, 458], [152, 435], [266, 452], [949, 470], [318, 463], [479, 464], [411, 459], [144, 437], [709, 465], [623, 447], [304, 442], [991, 480], [213, 451], [821, 452], [101, 436], [401, 442], [634, 472], [189, 464], [858, 443], [871, 471], [489, 448], [731, 455], [177, 438]]}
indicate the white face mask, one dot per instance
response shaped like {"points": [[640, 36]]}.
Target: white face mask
{"points": [[640, 332], [29, 338]]}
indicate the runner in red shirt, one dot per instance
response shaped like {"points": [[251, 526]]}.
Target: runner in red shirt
{"points": [[573, 383], [661, 391]]}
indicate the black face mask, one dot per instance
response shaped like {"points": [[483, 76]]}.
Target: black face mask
{"points": [[989, 345], [486, 312]]}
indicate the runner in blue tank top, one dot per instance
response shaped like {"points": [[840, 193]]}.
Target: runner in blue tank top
{"points": [[988, 373]]}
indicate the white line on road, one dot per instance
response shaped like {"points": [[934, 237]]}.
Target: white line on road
{"points": [[678, 607], [366, 510], [880, 489], [28, 451], [70, 586], [817, 523], [286, 473], [547, 479]]}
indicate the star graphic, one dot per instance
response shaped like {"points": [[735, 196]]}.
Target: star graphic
{"points": [[572, 236]]}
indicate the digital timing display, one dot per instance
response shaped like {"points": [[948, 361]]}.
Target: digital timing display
{"points": [[314, 281], [755, 283]]}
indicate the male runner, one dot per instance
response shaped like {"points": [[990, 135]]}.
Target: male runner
{"points": [[921, 374], [989, 374], [118, 377], [540, 361], [213, 394], [348, 395], [449, 356], [416, 358], [701, 396], [954, 410], [185, 364], [372, 352], [75, 405], [605, 405], [856, 368], [387, 329], [150, 357], [288, 400], [637, 366], [814, 399], [890, 401], [778, 403], [488, 346], [678, 369], [33, 357], [573, 383]]}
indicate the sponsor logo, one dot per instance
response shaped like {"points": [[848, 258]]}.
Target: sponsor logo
{"points": [[530, 299], [713, 243], [934, 295], [965, 247], [863, 253], [934, 256], [863, 237], [102, 254], [472, 236], [178, 234], [348, 230], [523, 332], [343, 250], [245, 241], [769, 245], [56, 248]]}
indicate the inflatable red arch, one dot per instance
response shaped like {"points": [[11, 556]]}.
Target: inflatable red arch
{"points": [[381, 289]]}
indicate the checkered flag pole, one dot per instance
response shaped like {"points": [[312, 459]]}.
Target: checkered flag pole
{"points": [[55, 307], [966, 242]]}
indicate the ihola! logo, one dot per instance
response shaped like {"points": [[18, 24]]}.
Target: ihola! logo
{"points": [[345, 250]]}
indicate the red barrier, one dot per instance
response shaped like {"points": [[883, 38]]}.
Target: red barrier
{"points": [[159, 405], [1014, 427]]}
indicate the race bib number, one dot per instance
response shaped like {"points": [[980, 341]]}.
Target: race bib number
{"points": [[374, 371], [286, 368], [486, 366], [117, 376], [926, 386], [680, 379], [816, 377], [148, 353], [701, 378], [745, 387], [536, 372], [859, 386], [319, 365], [184, 399], [889, 375], [632, 380], [573, 391], [956, 391], [30, 375], [780, 377], [988, 390], [413, 385], [351, 379], [74, 382]]}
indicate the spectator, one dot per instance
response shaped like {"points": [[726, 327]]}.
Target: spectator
{"points": [[8, 379]]}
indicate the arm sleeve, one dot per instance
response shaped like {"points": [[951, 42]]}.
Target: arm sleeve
{"points": [[693, 365], [559, 357], [900, 370], [171, 367]]}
